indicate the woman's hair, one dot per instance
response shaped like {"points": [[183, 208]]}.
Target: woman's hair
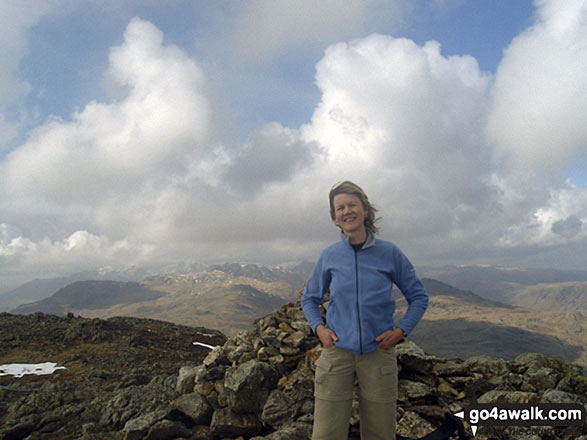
{"points": [[348, 187]]}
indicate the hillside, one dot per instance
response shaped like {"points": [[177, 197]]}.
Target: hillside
{"points": [[211, 298], [90, 295], [461, 324], [458, 323], [127, 378], [539, 289], [40, 289], [564, 296], [113, 368]]}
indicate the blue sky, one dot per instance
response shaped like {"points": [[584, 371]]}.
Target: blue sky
{"points": [[143, 132]]}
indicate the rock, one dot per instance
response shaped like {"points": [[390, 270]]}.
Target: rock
{"points": [[216, 357], [248, 386], [195, 407], [409, 390], [227, 423], [278, 409], [302, 326], [413, 357], [133, 402], [186, 379], [167, 430], [257, 383], [414, 426], [495, 396], [488, 367], [137, 428], [266, 353], [558, 396], [291, 431], [450, 368], [295, 339]]}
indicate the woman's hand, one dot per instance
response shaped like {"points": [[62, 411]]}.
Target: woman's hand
{"points": [[327, 337], [390, 338]]}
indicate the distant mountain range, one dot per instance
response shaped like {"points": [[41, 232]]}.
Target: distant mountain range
{"points": [[540, 289], [38, 289], [228, 297], [459, 322]]}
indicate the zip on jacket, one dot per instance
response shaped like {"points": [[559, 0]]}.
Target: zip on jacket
{"points": [[361, 305], [357, 298]]}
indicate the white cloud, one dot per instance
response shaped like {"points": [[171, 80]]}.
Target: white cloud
{"points": [[443, 149], [119, 147], [536, 123], [405, 120], [540, 94]]}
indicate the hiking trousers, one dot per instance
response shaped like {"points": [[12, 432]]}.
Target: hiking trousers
{"points": [[336, 370]]}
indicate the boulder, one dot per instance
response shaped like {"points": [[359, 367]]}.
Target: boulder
{"points": [[194, 407], [227, 423], [248, 386]]}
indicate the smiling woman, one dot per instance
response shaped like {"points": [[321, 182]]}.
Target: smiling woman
{"points": [[359, 334]]}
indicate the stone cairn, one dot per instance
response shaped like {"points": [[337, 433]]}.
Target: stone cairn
{"points": [[259, 385]]}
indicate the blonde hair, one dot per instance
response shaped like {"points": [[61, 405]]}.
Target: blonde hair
{"points": [[348, 187]]}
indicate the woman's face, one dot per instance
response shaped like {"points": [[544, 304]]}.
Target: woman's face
{"points": [[349, 213]]}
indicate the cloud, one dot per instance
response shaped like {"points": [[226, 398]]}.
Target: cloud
{"points": [[272, 154], [119, 147], [405, 120], [16, 20], [539, 99], [263, 28], [569, 227], [535, 122], [457, 160], [46, 258]]}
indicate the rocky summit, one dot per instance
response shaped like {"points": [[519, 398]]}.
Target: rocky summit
{"points": [[144, 379]]}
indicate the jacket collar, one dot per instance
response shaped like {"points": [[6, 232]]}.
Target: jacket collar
{"points": [[368, 243]]}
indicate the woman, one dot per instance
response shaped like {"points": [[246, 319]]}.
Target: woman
{"points": [[359, 334]]}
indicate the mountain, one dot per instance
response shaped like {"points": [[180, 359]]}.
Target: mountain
{"points": [[293, 275], [540, 289], [211, 298], [565, 296], [459, 323], [90, 295], [32, 291], [39, 289]]}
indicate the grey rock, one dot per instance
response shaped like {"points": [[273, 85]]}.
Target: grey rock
{"points": [[413, 357], [227, 423], [248, 386], [195, 407], [409, 390], [508, 397], [186, 379], [137, 428], [278, 410]]}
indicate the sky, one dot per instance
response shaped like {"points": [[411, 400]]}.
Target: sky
{"points": [[151, 133]]}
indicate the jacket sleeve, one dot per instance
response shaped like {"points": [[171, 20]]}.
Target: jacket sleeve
{"points": [[411, 286], [313, 293]]}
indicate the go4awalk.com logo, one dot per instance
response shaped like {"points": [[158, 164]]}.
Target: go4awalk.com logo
{"points": [[522, 414]]}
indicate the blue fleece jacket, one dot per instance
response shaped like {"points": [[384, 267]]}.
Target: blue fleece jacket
{"points": [[361, 306]]}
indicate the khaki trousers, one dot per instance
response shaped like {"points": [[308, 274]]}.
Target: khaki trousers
{"points": [[376, 372]]}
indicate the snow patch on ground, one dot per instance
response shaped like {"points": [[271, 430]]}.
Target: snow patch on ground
{"points": [[19, 370]]}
